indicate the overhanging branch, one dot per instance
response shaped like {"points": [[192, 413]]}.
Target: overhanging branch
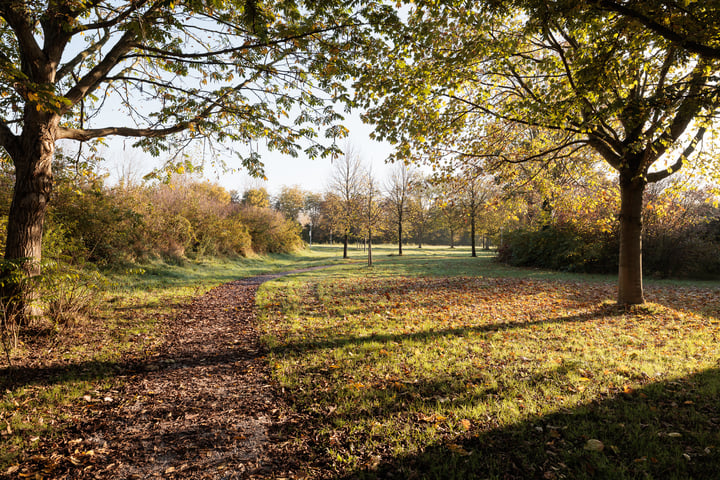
{"points": [[84, 135], [161, 53]]}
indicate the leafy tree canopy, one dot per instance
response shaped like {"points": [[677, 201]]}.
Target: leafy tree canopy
{"points": [[176, 71], [693, 25]]}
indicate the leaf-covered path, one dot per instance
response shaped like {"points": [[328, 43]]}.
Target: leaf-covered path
{"points": [[199, 407]]}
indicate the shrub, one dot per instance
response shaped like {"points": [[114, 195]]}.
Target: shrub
{"points": [[69, 293], [681, 241], [691, 250], [270, 231], [559, 247]]}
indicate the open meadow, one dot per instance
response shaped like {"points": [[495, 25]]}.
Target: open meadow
{"points": [[429, 365], [438, 365]]}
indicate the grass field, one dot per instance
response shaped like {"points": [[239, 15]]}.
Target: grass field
{"points": [[429, 365], [438, 365]]}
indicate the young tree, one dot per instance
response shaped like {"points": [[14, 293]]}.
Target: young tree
{"points": [[346, 182], [399, 187], [370, 210], [449, 212], [474, 193], [421, 201], [180, 71], [312, 206], [598, 79], [331, 216]]}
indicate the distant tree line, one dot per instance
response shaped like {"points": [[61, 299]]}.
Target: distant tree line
{"points": [[542, 219]]}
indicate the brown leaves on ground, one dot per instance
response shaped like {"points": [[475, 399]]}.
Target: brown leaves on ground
{"points": [[199, 407]]}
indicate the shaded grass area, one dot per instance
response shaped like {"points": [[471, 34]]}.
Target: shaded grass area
{"points": [[442, 366], [60, 372]]}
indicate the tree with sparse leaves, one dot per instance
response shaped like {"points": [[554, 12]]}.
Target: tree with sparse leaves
{"points": [[312, 207], [398, 190], [346, 184], [420, 202], [370, 209]]}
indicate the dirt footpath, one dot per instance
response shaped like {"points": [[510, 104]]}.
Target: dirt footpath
{"points": [[200, 407]]}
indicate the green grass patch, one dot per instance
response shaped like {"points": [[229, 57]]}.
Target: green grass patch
{"points": [[437, 365]]}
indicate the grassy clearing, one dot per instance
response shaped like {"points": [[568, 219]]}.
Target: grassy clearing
{"points": [[54, 371], [442, 366]]}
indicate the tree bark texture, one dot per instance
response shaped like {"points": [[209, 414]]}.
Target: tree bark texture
{"points": [[630, 284], [26, 219]]}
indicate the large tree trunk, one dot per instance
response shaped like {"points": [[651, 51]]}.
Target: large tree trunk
{"points": [[630, 287], [345, 246], [33, 185]]}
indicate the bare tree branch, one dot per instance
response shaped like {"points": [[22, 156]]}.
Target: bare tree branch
{"points": [[80, 57]]}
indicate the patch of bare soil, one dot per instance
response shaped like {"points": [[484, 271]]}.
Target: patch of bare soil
{"points": [[200, 407]]}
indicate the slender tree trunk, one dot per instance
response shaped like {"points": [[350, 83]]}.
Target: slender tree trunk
{"points": [[345, 245], [472, 234], [33, 186], [400, 233], [370, 260], [630, 285], [452, 238]]}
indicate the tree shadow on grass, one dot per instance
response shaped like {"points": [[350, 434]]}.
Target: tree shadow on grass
{"points": [[91, 370], [600, 311], [665, 430]]}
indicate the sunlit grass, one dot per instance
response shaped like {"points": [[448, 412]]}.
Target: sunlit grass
{"points": [[431, 375]]}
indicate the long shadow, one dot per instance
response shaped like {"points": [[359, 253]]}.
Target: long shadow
{"points": [[341, 341], [665, 430], [391, 398], [674, 298], [92, 370]]}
